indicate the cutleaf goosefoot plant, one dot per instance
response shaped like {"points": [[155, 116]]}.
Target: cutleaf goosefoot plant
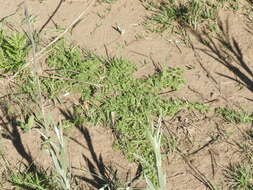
{"points": [[13, 51], [112, 97]]}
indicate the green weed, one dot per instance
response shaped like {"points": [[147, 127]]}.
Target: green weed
{"points": [[117, 100], [240, 177], [13, 51], [234, 116], [195, 14], [74, 72], [111, 96], [32, 180]]}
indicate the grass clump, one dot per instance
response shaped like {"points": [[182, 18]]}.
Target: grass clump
{"points": [[234, 116], [194, 14], [240, 177]]}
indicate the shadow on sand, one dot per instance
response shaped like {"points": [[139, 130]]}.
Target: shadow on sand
{"points": [[226, 50], [101, 175]]}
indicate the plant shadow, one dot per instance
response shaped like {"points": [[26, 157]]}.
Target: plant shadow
{"points": [[10, 125], [226, 50], [28, 175], [102, 176]]}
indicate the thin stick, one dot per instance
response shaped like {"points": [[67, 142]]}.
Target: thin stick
{"points": [[66, 30]]}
